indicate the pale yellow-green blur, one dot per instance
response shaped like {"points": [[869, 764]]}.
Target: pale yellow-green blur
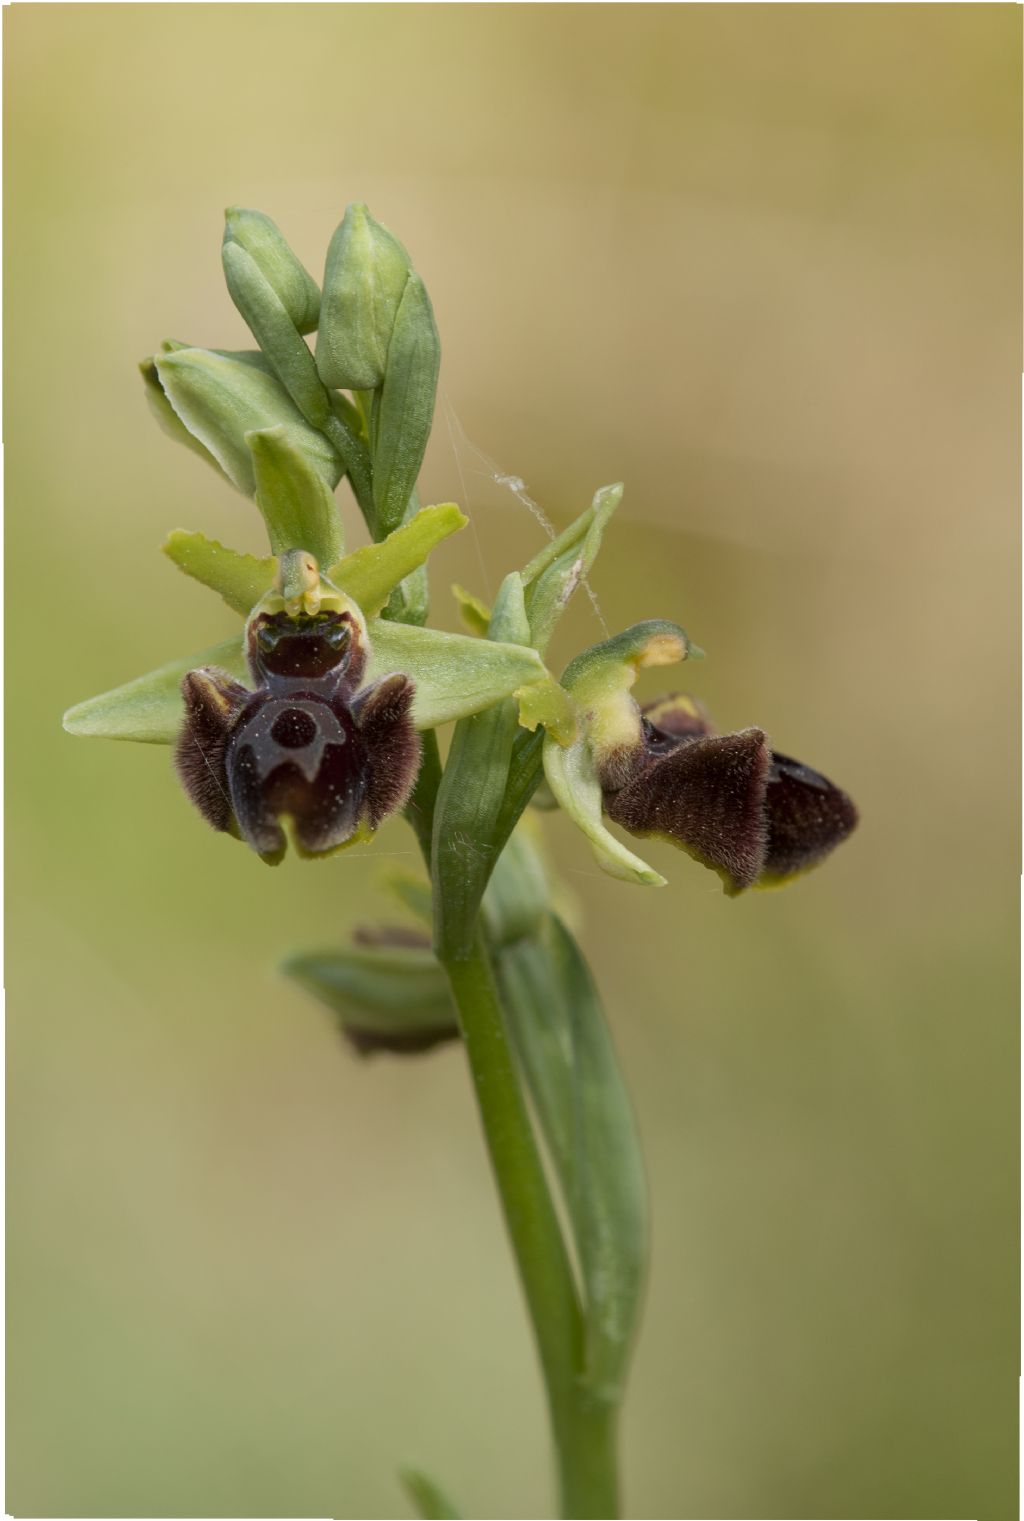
{"points": [[761, 264]]}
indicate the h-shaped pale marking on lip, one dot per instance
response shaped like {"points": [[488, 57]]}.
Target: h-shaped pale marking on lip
{"points": [[257, 735]]}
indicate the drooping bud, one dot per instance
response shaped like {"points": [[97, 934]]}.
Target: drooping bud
{"points": [[364, 280], [289, 280], [386, 991]]}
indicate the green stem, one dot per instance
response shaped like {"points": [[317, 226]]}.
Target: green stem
{"points": [[584, 1431]]}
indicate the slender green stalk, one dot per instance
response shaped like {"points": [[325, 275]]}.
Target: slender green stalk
{"points": [[584, 1431]]}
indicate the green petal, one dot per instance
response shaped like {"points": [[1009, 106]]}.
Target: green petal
{"points": [[455, 675], [298, 506], [240, 579], [370, 574], [573, 780], [149, 709], [220, 399]]}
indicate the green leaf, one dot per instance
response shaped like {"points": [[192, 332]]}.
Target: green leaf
{"points": [[364, 278], [240, 579], [565, 1049], [370, 574], [554, 574], [470, 796], [519, 893], [149, 709], [406, 408], [298, 507], [428, 1499], [221, 398], [455, 675], [573, 780]]}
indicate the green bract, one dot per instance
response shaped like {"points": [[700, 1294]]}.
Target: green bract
{"points": [[220, 399]]}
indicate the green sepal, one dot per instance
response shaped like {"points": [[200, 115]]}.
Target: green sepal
{"points": [[364, 279], [276, 333], [149, 709], [220, 399], [391, 991], [298, 507], [240, 579], [553, 575], [563, 1044], [370, 574], [406, 407], [454, 676], [475, 615], [290, 281], [428, 1499], [573, 779]]}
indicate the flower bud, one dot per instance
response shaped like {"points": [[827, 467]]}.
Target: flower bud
{"points": [[221, 399], [290, 281], [387, 992], [364, 278], [406, 409]]}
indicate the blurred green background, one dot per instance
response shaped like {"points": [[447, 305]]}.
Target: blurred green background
{"points": [[761, 263]]}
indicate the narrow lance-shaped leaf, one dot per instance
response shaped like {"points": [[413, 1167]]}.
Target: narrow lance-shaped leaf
{"points": [[565, 1049], [470, 796], [298, 507]]}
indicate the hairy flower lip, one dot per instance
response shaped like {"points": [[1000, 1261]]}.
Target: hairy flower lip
{"points": [[753, 815], [311, 753]]}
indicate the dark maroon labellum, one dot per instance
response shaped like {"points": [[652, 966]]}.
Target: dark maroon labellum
{"points": [[309, 744], [751, 815]]}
